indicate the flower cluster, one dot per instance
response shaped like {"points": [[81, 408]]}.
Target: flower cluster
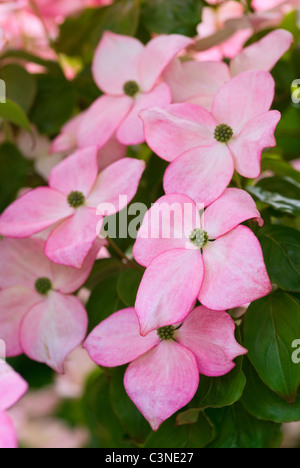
{"points": [[209, 120]]}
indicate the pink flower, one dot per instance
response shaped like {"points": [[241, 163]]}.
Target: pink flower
{"points": [[213, 20], [38, 314], [128, 73], [211, 258], [70, 203], [60, 9], [205, 148], [262, 5], [198, 82], [67, 142], [12, 388], [164, 373]]}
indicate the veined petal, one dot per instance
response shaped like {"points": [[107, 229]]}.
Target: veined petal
{"points": [[169, 289], [209, 334], [60, 325], [162, 381], [33, 212], [117, 340], [235, 272], [166, 226]]}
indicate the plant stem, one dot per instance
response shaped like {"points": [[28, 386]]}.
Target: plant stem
{"points": [[122, 254]]}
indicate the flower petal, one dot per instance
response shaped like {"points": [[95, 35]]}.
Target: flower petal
{"points": [[76, 173], [162, 381], [14, 303], [172, 131], [254, 138], [8, 437], [234, 207], [202, 173], [196, 82], [102, 119], [166, 226], [244, 98], [116, 62], [33, 212], [209, 334], [264, 54], [60, 325], [110, 153], [169, 289], [12, 386], [70, 242], [117, 340], [116, 186], [235, 273], [157, 54]]}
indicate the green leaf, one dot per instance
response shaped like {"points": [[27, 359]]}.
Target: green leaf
{"points": [[216, 392], [169, 435], [264, 404], [172, 16], [103, 301], [50, 65], [12, 112], [54, 103], [281, 168], [17, 80], [238, 429], [128, 285], [272, 325], [281, 248], [126, 411], [102, 269], [13, 173], [282, 193], [190, 416], [121, 17]]}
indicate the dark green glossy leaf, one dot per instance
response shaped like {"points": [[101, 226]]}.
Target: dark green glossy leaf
{"points": [[272, 325], [281, 168], [17, 80], [13, 113], [128, 285], [13, 173]]}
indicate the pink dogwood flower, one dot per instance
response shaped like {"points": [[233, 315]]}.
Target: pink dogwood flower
{"points": [[206, 148], [188, 256], [198, 82], [263, 5], [39, 316], [164, 372], [70, 203], [129, 74], [12, 388]]}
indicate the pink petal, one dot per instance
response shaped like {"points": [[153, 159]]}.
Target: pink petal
{"points": [[116, 62], [8, 438], [102, 119], [255, 137], [12, 386], [233, 208], [66, 142], [158, 54], [76, 173], [244, 98], [60, 325], [70, 242], [131, 131], [264, 54], [166, 226], [22, 262], [116, 186], [14, 303], [110, 153], [117, 340], [202, 173], [172, 131], [196, 82], [210, 336], [162, 381], [169, 289], [235, 273], [33, 212]]}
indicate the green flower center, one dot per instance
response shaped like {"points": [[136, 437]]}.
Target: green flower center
{"points": [[43, 286], [199, 238], [223, 133], [131, 88], [76, 199], [166, 333]]}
